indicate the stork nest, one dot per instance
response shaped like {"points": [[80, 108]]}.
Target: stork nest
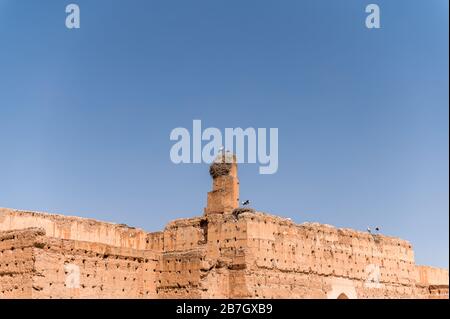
{"points": [[219, 169], [242, 210]]}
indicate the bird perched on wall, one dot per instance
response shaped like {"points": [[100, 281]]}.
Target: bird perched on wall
{"points": [[369, 230], [246, 202]]}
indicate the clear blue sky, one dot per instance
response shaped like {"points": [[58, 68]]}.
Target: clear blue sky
{"points": [[362, 114]]}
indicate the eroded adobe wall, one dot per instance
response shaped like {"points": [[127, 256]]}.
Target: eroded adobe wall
{"points": [[180, 274], [427, 275], [76, 228], [183, 262], [433, 281], [203, 258], [214, 256], [321, 261], [179, 264], [76, 269], [264, 256], [16, 262], [227, 254], [82, 258]]}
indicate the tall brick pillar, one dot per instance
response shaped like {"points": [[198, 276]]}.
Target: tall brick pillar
{"points": [[224, 196]]}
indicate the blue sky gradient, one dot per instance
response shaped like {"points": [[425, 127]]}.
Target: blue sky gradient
{"points": [[362, 114]]}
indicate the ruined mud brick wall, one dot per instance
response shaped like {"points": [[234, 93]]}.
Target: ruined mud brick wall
{"points": [[216, 256], [63, 267], [76, 269], [256, 255], [204, 258], [431, 275], [247, 255], [33, 265], [433, 281], [229, 252], [75, 228], [180, 263], [16, 263], [320, 261]]}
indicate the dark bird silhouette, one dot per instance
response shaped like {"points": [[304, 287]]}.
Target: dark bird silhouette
{"points": [[246, 202]]}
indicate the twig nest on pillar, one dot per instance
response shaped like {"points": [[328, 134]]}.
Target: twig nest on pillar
{"points": [[222, 164], [237, 211], [242, 210], [219, 169]]}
